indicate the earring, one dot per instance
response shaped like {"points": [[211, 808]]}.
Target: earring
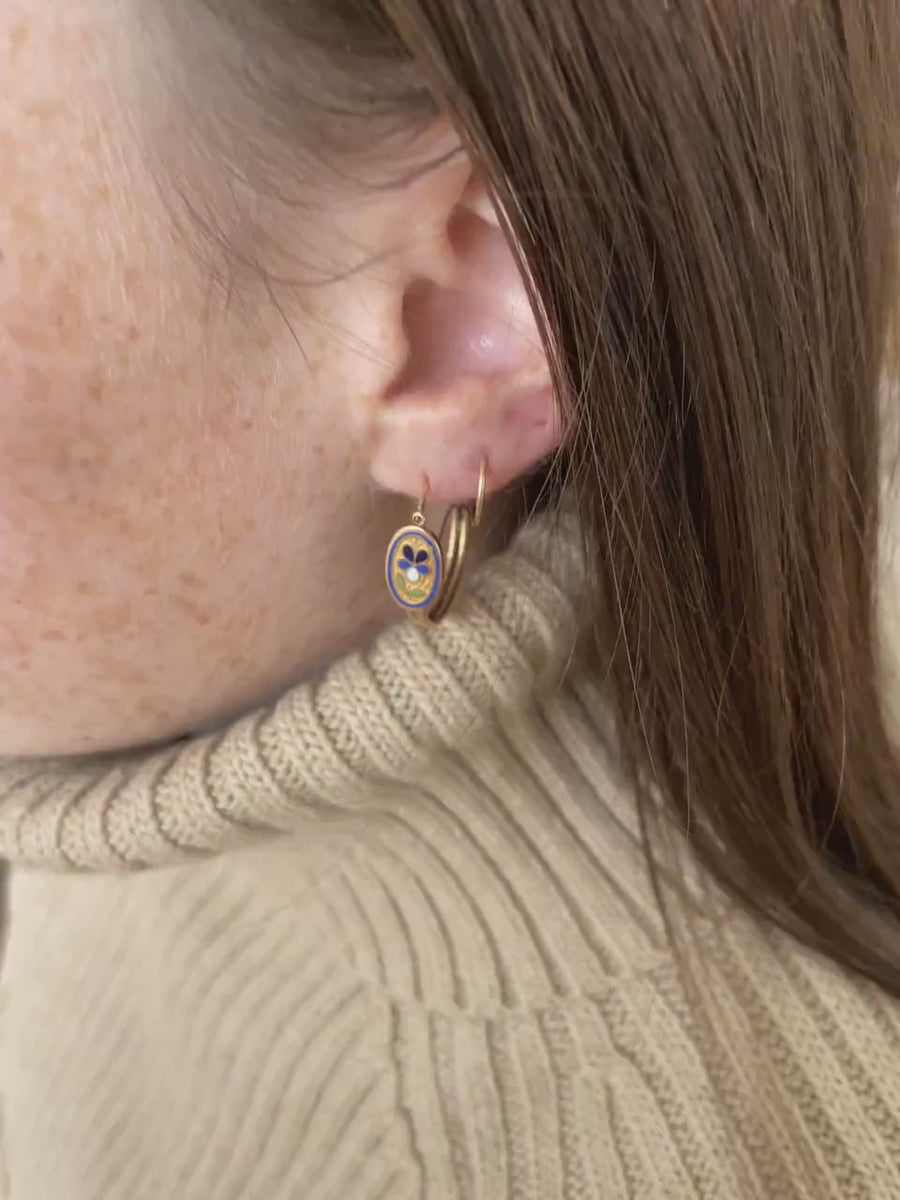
{"points": [[424, 569]]}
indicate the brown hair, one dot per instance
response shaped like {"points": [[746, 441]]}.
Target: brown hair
{"points": [[702, 194]]}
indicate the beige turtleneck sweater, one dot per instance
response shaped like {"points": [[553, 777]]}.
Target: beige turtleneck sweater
{"points": [[393, 939]]}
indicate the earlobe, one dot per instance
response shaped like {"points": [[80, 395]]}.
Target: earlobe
{"points": [[437, 440], [475, 385]]}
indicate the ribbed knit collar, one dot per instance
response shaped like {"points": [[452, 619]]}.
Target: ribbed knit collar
{"points": [[374, 719]]}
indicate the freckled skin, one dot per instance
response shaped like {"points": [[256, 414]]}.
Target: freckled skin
{"points": [[186, 518]]}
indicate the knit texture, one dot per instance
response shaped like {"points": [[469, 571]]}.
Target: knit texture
{"points": [[399, 943]]}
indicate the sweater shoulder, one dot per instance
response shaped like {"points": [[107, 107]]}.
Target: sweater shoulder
{"points": [[305, 1015]]}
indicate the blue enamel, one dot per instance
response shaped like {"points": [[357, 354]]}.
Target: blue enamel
{"points": [[396, 552]]}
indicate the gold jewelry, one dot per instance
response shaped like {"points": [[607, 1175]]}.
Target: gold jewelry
{"points": [[424, 569]]}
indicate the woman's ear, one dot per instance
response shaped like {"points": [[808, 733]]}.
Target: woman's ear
{"points": [[475, 385]]}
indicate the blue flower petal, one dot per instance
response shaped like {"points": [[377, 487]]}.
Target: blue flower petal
{"points": [[422, 556], [423, 571]]}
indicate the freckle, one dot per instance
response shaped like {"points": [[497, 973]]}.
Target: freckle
{"points": [[61, 458], [67, 316], [37, 385], [133, 334], [83, 588], [19, 36], [109, 618], [149, 706], [24, 217], [96, 388], [53, 635], [190, 580], [28, 337], [43, 110], [196, 613]]}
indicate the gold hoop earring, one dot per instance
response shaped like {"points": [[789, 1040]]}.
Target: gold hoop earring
{"points": [[424, 569]]}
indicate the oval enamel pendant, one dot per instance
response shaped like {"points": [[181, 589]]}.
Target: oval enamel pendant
{"points": [[413, 568]]}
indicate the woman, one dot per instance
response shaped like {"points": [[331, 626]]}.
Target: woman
{"points": [[587, 887]]}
